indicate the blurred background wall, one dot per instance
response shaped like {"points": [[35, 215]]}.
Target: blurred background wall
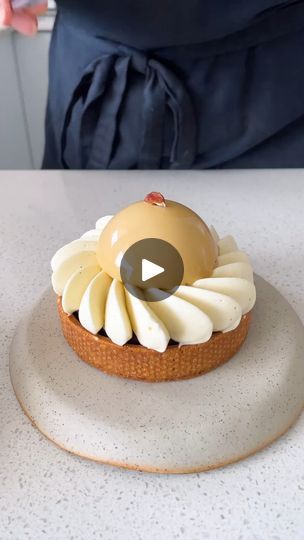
{"points": [[23, 90]]}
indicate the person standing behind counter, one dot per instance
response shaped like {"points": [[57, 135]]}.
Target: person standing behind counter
{"points": [[173, 84]]}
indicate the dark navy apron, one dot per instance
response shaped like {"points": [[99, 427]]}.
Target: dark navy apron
{"points": [[176, 84]]}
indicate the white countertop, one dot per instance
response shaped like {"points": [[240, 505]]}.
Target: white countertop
{"points": [[47, 493]]}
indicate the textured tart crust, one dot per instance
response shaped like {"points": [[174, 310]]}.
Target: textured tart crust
{"points": [[138, 362]]}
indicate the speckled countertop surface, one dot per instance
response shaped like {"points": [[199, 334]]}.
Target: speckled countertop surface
{"points": [[47, 493]]}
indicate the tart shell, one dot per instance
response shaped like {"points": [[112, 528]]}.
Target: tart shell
{"points": [[139, 363]]}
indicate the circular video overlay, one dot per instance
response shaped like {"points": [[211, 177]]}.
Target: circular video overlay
{"points": [[152, 264]]}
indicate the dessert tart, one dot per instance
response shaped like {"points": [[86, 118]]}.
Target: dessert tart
{"points": [[152, 336]]}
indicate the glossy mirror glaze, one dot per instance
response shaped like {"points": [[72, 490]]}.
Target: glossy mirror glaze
{"points": [[174, 223]]}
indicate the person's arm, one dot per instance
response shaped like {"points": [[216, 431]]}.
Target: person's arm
{"points": [[23, 20]]}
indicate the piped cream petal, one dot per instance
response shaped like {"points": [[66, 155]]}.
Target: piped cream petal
{"points": [[77, 246], [102, 222], [224, 312], [242, 290], [68, 266], [186, 323], [117, 323], [232, 257], [92, 306], [214, 234], [93, 234], [237, 269], [76, 286], [227, 244], [148, 328]]}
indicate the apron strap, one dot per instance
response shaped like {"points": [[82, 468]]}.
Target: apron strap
{"points": [[104, 136], [163, 89], [88, 92], [153, 114], [97, 99]]}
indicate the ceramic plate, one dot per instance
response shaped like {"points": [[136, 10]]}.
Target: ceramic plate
{"points": [[184, 426]]}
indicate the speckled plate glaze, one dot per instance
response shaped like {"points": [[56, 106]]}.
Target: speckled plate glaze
{"points": [[176, 427]]}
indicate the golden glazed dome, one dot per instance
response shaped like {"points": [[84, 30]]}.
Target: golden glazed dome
{"points": [[155, 217]]}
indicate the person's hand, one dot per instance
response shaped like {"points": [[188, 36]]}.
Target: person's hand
{"points": [[22, 20]]}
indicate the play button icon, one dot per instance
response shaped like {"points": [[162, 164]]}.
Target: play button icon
{"points": [[149, 270], [151, 263]]}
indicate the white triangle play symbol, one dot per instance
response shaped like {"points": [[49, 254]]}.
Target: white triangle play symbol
{"points": [[150, 270]]}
